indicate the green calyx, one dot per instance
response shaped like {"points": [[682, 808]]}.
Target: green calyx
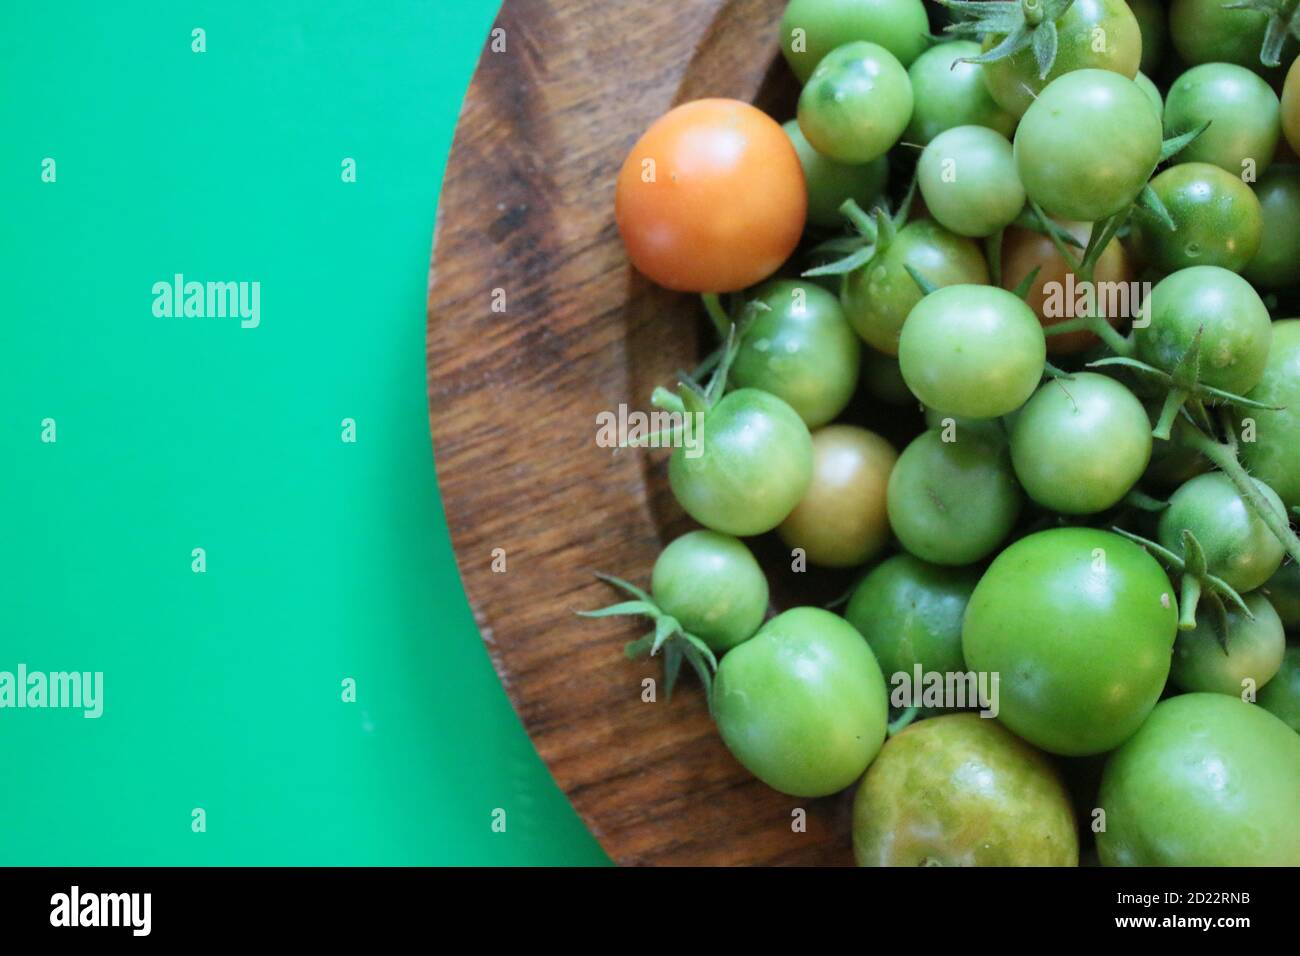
{"points": [[668, 636], [1023, 24], [1283, 21], [875, 231]]}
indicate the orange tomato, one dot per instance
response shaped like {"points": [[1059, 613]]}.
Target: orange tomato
{"points": [[1022, 249], [711, 198]]}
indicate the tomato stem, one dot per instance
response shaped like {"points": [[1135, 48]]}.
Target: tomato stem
{"points": [[721, 321], [1174, 402], [1188, 598]]}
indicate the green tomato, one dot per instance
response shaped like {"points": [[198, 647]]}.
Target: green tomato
{"points": [[1209, 31], [910, 612], [753, 464], [952, 503], [1016, 80], [949, 93], [1217, 218], [1242, 110], [856, 104], [1081, 443], [1234, 325], [1238, 546], [1291, 106], [960, 790], [1254, 654], [1208, 780], [970, 350], [1283, 590], [712, 585], [968, 178], [802, 704], [811, 29], [1281, 697], [1151, 21], [830, 183], [1087, 145], [1270, 445], [1277, 264], [878, 297], [1079, 623], [1153, 94], [801, 349]]}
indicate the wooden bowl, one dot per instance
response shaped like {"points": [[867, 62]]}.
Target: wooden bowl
{"points": [[536, 323]]}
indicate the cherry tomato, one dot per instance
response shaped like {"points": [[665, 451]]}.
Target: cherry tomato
{"points": [[1207, 781], [1153, 94], [1238, 546], [950, 93], [1277, 264], [1081, 443], [1241, 108], [1254, 654], [1291, 106], [1023, 250], [812, 28], [1281, 696], [1079, 623], [802, 704], [841, 521], [800, 349], [711, 198], [1217, 220], [910, 612], [752, 465], [878, 297], [1234, 325], [1210, 31], [1015, 81], [856, 104], [830, 183], [969, 350], [969, 181], [961, 790], [952, 502], [1283, 591], [1271, 446], [712, 585], [1087, 145]]}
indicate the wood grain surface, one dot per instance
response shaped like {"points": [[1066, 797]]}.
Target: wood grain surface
{"points": [[527, 208]]}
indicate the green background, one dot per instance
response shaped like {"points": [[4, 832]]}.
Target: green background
{"points": [[325, 560]]}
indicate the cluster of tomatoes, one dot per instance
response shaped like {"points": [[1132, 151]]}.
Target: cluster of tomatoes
{"points": [[1061, 237]]}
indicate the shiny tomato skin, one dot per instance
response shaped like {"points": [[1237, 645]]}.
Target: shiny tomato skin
{"points": [[962, 790], [1217, 218], [900, 26], [725, 204], [1252, 659], [1276, 265], [1273, 454], [1208, 780]]}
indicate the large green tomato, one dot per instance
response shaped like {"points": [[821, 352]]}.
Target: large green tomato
{"points": [[830, 183], [1079, 623], [1271, 450], [1208, 780], [712, 585], [801, 349], [952, 502], [960, 790], [1217, 220], [812, 28], [1253, 657], [1281, 696], [802, 704], [969, 181], [910, 612], [1081, 443], [1277, 263], [1210, 31], [948, 92], [1015, 81], [1232, 320], [1087, 145], [856, 104], [751, 466], [1242, 110], [973, 351], [1238, 546], [878, 297]]}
